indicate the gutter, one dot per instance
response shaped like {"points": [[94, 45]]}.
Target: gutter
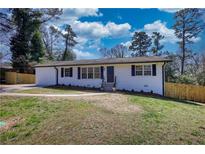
{"points": [[163, 78], [56, 75], [111, 63]]}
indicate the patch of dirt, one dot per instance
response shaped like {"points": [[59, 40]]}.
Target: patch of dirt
{"points": [[202, 127], [97, 128], [11, 122], [116, 103]]}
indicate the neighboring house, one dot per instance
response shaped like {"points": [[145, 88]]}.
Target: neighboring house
{"points": [[133, 74], [4, 67]]}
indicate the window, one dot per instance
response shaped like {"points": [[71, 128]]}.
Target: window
{"points": [[67, 72], [90, 72], [97, 72], [84, 73], [147, 70], [139, 70]]}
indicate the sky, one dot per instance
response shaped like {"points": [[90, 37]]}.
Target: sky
{"points": [[98, 28]]}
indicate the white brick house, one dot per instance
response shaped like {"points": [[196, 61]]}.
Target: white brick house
{"points": [[138, 74]]}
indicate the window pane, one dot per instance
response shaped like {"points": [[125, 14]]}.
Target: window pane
{"points": [[97, 72], [90, 72], [139, 70], [67, 72], [147, 70], [84, 73]]}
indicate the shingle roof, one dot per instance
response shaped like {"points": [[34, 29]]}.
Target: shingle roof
{"points": [[105, 61], [5, 66]]}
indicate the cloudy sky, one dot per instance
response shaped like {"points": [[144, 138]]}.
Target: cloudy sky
{"points": [[97, 28]]}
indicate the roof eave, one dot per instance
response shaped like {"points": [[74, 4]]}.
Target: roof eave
{"points": [[54, 65]]}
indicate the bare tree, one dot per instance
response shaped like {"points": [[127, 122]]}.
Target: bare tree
{"points": [[6, 31], [201, 74], [51, 37], [118, 51]]}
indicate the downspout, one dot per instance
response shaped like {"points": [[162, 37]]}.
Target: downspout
{"points": [[56, 75], [163, 78]]}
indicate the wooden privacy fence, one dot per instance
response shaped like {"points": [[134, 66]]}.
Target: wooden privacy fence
{"points": [[185, 91], [19, 78]]}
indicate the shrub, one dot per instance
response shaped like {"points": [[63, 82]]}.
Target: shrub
{"points": [[186, 79], [201, 78]]}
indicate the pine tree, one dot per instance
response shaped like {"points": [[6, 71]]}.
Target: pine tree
{"points": [[188, 25], [19, 44], [37, 51], [27, 22], [140, 44], [157, 37], [70, 42]]}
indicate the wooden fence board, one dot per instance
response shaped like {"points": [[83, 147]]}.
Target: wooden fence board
{"points": [[19, 78], [185, 91]]}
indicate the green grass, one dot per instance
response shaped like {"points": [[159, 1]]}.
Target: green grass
{"points": [[170, 122], [66, 121], [36, 113], [51, 90]]}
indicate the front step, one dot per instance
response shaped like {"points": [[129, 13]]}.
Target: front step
{"points": [[108, 87]]}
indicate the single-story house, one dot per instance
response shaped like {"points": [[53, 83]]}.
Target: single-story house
{"points": [[134, 74]]}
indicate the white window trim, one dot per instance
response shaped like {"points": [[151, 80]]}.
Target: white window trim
{"points": [[86, 73], [94, 77], [65, 72], [150, 67], [142, 70], [92, 72], [143, 65]]}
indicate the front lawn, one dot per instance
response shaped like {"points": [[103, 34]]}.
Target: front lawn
{"points": [[89, 121], [170, 122]]}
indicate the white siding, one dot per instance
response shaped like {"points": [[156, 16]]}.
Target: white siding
{"points": [[146, 83], [47, 76]]}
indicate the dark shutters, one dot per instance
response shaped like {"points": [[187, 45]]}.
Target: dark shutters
{"points": [[154, 70], [133, 70], [101, 72], [71, 72], [62, 72], [78, 72]]}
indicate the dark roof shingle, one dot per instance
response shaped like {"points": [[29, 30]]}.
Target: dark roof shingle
{"points": [[105, 61]]}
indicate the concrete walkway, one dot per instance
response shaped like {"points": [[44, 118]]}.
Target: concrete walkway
{"points": [[9, 88], [52, 95]]}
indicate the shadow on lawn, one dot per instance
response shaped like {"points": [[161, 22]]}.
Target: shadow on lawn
{"points": [[156, 96], [150, 95]]}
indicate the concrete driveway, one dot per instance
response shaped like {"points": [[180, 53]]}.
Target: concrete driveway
{"points": [[52, 95], [10, 88]]}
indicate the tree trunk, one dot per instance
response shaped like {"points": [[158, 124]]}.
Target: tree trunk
{"points": [[183, 50], [51, 52], [66, 48]]}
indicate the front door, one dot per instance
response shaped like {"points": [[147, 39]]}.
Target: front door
{"points": [[110, 73]]}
